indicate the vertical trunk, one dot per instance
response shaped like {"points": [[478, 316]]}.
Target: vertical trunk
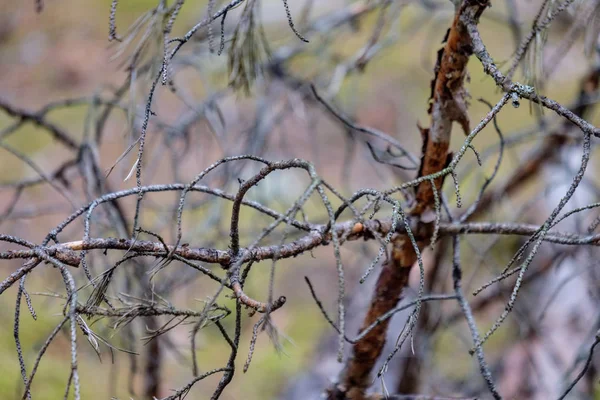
{"points": [[153, 362], [356, 377], [448, 105]]}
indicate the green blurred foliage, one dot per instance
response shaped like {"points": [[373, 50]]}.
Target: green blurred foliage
{"points": [[300, 322]]}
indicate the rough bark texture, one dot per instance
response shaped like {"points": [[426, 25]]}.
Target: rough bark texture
{"points": [[448, 105], [388, 289]]}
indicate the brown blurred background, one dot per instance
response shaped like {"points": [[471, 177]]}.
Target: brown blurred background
{"points": [[64, 52]]}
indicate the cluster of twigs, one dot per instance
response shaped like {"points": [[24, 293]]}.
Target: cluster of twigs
{"points": [[409, 217]]}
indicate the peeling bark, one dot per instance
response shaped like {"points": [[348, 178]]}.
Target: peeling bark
{"points": [[448, 105]]}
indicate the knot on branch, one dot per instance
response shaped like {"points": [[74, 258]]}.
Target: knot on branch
{"points": [[255, 304]]}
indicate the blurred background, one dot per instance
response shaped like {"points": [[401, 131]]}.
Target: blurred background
{"points": [[62, 56]]}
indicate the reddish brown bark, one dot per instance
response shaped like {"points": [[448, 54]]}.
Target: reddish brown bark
{"points": [[390, 282], [448, 105]]}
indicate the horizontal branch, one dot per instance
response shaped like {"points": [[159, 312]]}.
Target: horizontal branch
{"points": [[345, 231], [39, 119]]}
